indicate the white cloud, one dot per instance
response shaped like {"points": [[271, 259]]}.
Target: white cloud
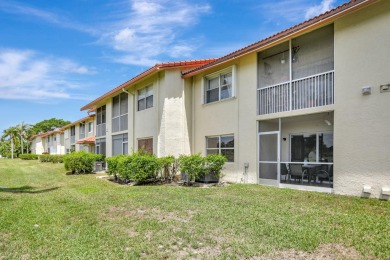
{"points": [[50, 17], [27, 75], [324, 6], [150, 28], [137, 31]]}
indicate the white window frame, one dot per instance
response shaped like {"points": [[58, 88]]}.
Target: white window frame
{"points": [[143, 94], [90, 127], [120, 115], [123, 142], [219, 74], [222, 148]]}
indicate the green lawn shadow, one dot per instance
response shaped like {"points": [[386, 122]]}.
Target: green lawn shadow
{"points": [[26, 189]]}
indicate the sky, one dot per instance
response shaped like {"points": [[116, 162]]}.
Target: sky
{"points": [[57, 56]]}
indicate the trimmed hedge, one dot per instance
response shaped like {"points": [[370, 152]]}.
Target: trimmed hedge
{"points": [[28, 156], [81, 162], [197, 166], [139, 167], [54, 158]]}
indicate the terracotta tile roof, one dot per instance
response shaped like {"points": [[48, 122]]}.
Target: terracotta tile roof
{"points": [[47, 133], [78, 121], [87, 140], [310, 24], [157, 67]]}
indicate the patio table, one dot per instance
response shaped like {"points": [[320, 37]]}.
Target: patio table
{"points": [[311, 169]]}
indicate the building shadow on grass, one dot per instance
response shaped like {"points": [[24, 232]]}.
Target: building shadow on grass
{"points": [[26, 189]]}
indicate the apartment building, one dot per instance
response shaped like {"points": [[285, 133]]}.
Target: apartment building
{"points": [[305, 108], [80, 135], [76, 136], [148, 112]]}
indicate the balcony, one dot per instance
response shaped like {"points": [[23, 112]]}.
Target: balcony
{"points": [[101, 130], [308, 92]]}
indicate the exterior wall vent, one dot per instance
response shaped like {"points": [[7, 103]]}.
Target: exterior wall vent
{"points": [[367, 189]]}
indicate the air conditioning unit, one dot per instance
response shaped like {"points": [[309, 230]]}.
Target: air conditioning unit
{"points": [[99, 166]]}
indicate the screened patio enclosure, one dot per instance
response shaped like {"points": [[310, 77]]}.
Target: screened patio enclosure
{"points": [[296, 151]]}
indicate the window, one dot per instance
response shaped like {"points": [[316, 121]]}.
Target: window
{"points": [[146, 145], [54, 138], [120, 144], [101, 121], [312, 147], [120, 112], [219, 86], [100, 146], [67, 151], [145, 98], [90, 126], [82, 130], [223, 144], [72, 134]]}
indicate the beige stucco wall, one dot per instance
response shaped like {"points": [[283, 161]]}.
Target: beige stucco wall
{"points": [[37, 146], [362, 123], [235, 116], [146, 121], [173, 128]]}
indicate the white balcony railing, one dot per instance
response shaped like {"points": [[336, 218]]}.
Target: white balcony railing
{"points": [[313, 91]]}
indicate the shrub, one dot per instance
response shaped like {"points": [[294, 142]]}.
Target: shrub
{"points": [[56, 158], [215, 164], [99, 157], [144, 167], [168, 166], [79, 162], [112, 164], [138, 167], [196, 165], [9, 155], [44, 158], [193, 165], [28, 156]]}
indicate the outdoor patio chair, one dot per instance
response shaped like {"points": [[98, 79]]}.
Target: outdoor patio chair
{"points": [[325, 174], [284, 171], [297, 173]]}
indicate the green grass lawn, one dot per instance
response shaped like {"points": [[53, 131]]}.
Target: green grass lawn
{"points": [[47, 214]]}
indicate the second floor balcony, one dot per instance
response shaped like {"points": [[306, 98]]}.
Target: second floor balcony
{"points": [[307, 92], [297, 74]]}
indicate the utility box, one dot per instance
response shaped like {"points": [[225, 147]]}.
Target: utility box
{"points": [[99, 166]]}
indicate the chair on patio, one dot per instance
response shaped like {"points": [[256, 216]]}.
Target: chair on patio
{"points": [[284, 171], [325, 174], [297, 173]]}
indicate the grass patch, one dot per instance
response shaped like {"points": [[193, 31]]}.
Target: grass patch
{"points": [[46, 214]]}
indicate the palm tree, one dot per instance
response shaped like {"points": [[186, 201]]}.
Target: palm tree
{"points": [[28, 136], [22, 133], [10, 133]]}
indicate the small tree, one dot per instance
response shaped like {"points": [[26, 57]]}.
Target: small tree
{"points": [[11, 134]]}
